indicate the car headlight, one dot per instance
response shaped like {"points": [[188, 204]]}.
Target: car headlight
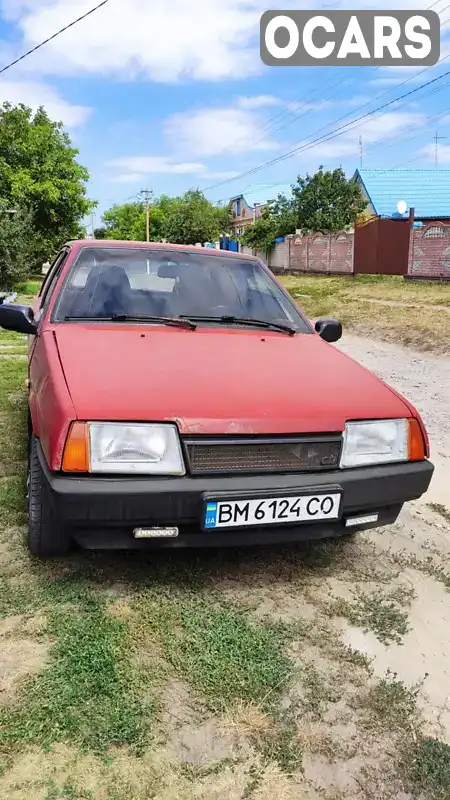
{"points": [[116, 447], [375, 442]]}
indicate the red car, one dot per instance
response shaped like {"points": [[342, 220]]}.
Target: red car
{"points": [[178, 397]]}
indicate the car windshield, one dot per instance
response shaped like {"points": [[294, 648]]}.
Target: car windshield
{"points": [[108, 282]]}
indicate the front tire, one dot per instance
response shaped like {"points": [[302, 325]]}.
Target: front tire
{"points": [[46, 535]]}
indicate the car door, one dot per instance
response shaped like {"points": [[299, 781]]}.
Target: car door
{"points": [[42, 299], [37, 364]]}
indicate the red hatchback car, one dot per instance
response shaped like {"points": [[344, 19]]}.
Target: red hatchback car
{"points": [[179, 397]]}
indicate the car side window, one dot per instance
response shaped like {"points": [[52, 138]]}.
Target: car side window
{"points": [[49, 287]]}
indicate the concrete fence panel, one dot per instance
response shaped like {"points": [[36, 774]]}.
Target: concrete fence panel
{"points": [[429, 252]]}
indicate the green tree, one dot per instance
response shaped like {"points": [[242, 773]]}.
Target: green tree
{"points": [[192, 218], [38, 168], [127, 221], [16, 246], [261, 234], [326, 201]]}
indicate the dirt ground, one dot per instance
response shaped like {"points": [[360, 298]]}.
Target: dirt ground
{"points": [[425, 381], [311, 673]]}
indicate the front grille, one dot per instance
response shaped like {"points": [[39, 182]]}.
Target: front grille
{"points": [[305, 454]]}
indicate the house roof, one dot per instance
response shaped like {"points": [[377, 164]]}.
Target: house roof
{"points": [[262, 193], [425, 190]]}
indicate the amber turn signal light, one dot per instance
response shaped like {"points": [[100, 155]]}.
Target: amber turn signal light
{"points": [[416, 445], [76, 451]]}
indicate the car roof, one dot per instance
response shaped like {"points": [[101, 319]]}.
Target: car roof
{"points": [[77, 244]]}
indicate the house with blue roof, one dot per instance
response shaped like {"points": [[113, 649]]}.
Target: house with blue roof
{"points": [[427, 191]]}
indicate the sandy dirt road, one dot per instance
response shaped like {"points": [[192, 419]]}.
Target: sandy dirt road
{"points": [[425, 380]]}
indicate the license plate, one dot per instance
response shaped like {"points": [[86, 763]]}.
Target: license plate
{"points": [[271, 510]]}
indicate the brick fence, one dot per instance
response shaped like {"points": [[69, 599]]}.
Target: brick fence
{"points": [[322, 253], [319, 254], [427, 256], [429, 251]]}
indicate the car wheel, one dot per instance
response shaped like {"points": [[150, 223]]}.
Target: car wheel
{"points": [[46, 535]]}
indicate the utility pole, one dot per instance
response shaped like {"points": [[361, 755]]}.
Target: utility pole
{"points": [[147, 193], [361, 152], [436, 141]]}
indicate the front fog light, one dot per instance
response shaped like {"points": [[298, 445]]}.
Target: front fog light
{"points": [[138, 448]]}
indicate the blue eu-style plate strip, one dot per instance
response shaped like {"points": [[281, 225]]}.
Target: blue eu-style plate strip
{"points": [[211, 515]]}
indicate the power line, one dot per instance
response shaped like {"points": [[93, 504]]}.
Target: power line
{"points": [[334, 133], [301, 102], [398, 136], [50, 38], [430, 119]]}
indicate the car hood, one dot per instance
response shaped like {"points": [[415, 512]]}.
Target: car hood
{"points": [[219, 381]]}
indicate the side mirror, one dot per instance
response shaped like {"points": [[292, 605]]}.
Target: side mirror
{"points": [[329, 329], [17, 318]]}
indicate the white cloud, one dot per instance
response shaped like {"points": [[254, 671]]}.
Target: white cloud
{"points": [[35, 94], [220, 175], [258, 101], [215, 39], [429, 152], [377, 127], [128, 177], [163, 41], [138, 166], [218, 131], [195, 136]]}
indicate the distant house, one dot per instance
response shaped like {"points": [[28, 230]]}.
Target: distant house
{"points": [[245, 210], [427, 191]]}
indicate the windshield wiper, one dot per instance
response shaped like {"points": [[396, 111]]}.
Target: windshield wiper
{"points": [[231, 320], [176, 321]]}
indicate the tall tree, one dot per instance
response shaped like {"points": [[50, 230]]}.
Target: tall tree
{"points": [[326, 201], [192, 218], [127, 221], [261, 234], [16, 246], [38, 168]]}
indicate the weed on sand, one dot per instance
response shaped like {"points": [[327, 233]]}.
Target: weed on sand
{"points": [[387, 307]]}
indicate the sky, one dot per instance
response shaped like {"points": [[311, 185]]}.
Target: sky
{"points": [[172, 94]]}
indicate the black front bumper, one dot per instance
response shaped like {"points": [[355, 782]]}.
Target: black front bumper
{"points": [[103, 512]]}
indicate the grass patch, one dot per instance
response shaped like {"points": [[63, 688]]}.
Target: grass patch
{"points": [[28, 288], [440, 509], [390, 705], [347, 298], [428, 769], [228, 659], [16, 599], [223, 655], [89, 693], [12, 501], [427, 565], [68, 792], [281, 745], [384, 616], [17, 350]]}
